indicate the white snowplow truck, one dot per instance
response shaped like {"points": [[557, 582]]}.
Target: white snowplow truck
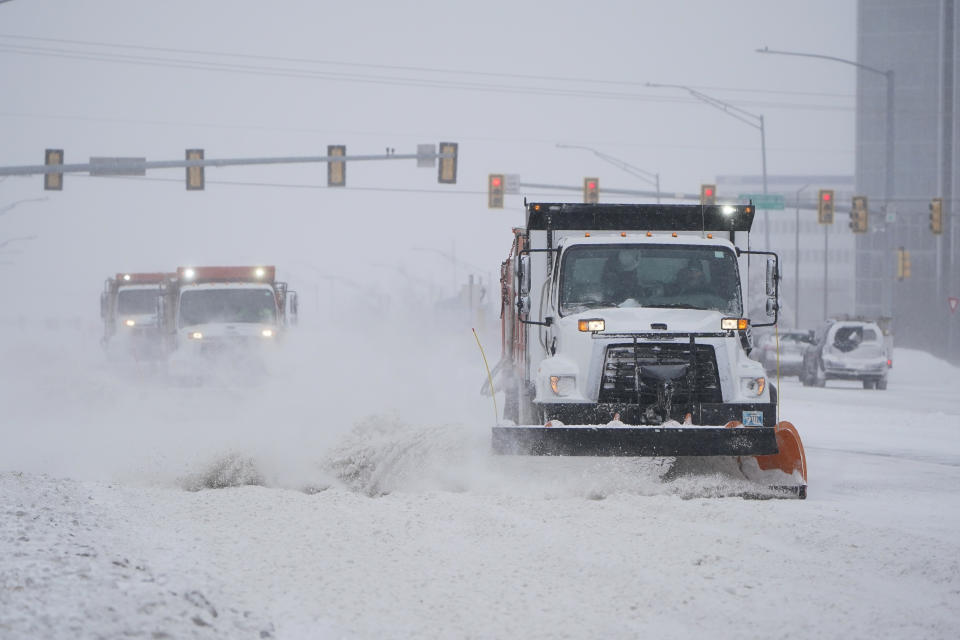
{"points": [[128, 308], [624, 334], [223, 316]]}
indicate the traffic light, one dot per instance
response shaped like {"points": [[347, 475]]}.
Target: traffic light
{"points": [[336, 169], [195, 177], [825, 206], [903, 264], [859, 222], [53, 181], [495, 191], [448, 166], [708, 194], [591, 190], [936, 216]]}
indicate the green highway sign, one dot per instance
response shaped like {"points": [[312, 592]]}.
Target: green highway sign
{"points": [[764, 200]]}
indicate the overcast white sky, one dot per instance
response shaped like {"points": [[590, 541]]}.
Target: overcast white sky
{"points": [[121, 78]]}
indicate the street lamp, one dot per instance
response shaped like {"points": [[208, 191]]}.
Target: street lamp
{"points": [[646, 176], [888, 188], [750, 119], [888, 74]]}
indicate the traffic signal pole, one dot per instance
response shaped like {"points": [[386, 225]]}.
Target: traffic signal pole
{"points": [[108, 166]]}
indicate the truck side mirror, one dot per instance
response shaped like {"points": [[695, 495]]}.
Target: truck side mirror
{"points": [[523, 304], [293, 307], [772, 307], [523, 273], [772, 276]]}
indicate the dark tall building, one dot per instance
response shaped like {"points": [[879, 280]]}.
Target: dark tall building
{"points": [[918, 41]]}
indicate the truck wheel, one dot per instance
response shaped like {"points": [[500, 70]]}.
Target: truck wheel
{"points": [[882, 384], [868, 384]]}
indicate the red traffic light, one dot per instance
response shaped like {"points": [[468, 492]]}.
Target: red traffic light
{"points": [[708, 192], [591, 185], [495, 182], [826, 196]]}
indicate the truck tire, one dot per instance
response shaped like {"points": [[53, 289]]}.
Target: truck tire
{"points": [[882, 384], [869, 384]]}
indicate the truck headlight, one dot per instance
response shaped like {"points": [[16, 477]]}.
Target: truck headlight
{"points": [[195, 335], [267, 333], [733, 324], [595, 324], [753, 386], [563, 385], [130, 322]]}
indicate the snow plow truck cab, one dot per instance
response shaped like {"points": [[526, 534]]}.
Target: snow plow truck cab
{"points": [[625, 333]]}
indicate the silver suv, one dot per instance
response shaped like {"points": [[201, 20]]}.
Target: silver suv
{"points": [[847, 350]]}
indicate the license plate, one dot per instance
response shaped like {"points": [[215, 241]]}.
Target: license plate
{"points": [[752, 418]]}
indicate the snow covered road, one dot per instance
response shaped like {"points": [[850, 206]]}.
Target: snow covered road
{"points": [[409, 528]]}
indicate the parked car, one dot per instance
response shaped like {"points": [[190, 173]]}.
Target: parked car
{"points": [[792, 344], [847, 350]]}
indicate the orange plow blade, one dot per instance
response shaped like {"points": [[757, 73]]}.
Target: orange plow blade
{"points": [[790, 458]]}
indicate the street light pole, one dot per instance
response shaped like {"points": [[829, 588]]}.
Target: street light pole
{"points": [[646, 176], [888, 75], [888, 186], [750, 119], [796, 262]]}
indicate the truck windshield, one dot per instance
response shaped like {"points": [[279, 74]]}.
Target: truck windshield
{"points": [[227, 305], [137, 302], [665, 276]]}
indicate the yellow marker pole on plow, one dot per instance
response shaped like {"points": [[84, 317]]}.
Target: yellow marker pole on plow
{"points": [[493, 393], [776, 333]]}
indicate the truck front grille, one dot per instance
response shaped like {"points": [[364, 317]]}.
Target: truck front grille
{"points": [[618, 384]]}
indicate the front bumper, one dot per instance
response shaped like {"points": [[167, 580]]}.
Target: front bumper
{"points": [[703, 413], [855, 371]]}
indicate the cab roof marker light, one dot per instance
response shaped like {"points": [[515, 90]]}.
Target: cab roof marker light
{"points": [[649, 234], [674, 234], [709, 236], [586, 235], [623, 234]]}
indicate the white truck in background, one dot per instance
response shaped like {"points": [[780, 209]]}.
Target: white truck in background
{"points": [[129, 310], [222, 317]]}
